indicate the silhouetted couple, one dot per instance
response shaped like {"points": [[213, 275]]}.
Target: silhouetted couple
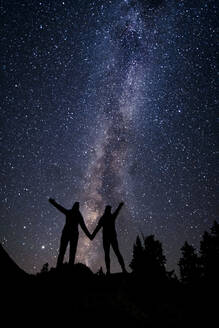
{"points": [[70, 233]]}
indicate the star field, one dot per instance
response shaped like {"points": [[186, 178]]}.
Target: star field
{"points": [[102, 102]]}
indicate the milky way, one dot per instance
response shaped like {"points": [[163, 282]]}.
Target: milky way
{"points": [[102, 102]]}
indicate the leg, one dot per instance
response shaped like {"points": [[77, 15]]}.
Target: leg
{"points": [[115, 247], [63, 245], [106, 247], [73, 248]]}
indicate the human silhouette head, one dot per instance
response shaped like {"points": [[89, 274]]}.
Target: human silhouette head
{"points": [[76, 206], [108, 209]]}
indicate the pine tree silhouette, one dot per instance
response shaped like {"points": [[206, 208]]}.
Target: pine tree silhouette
{"points": [[148, 259], [45, 268], [138, 264], [189, 264], [209, 250]]}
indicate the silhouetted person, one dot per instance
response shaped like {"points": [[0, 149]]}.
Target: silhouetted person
{"points": [[107, 222], [70, 231]]}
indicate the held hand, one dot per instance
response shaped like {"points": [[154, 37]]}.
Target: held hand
{"points": [[92, 236]]}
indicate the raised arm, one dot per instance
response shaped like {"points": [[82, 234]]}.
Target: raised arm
{"points": [[118, 209], [59, 207]]}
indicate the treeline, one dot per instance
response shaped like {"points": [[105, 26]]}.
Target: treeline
{"points": [[149, 262], [194, 265], [149, 296]]}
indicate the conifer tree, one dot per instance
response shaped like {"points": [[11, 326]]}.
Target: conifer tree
{"points": [[189, 264], [209, 250], [138, 257], [148, 258]]}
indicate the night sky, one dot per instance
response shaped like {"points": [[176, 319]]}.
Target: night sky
{"points": [[102, 102]]}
